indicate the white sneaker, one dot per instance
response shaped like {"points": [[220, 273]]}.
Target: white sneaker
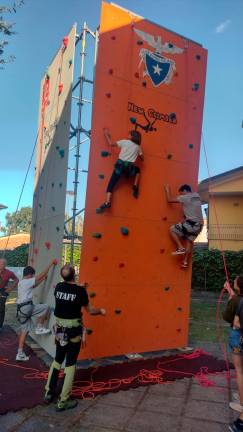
{"points": [[42, 331], [236, 406], [180, 251], [21, 356]]}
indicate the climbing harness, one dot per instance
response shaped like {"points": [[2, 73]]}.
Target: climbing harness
{"points": [[21, 316]]}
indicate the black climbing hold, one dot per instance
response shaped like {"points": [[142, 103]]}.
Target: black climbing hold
{"points": [[169, 156], [190, 146], [167, 288], [97, 235], [92, 294], [105, 153], [198, 57], [144, 83], [124, 231], [57, 147], [118, 311], [170, 45], [47, 76], [172, 117], [179, 309], [89, 331], [195, 86], [101, 176], [139, 42]]}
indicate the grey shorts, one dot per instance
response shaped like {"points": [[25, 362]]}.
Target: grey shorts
{"points": [[187, 230], [29, 313]]}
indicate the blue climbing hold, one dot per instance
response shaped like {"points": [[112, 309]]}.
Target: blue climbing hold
{"points": [[97, 235], [62, 153], [105, 153], [124, 231], [133, 120]]}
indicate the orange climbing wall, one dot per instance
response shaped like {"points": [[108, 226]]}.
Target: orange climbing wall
{"points": [[51, 171], [134, 277]]}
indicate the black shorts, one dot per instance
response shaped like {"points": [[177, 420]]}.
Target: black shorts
{"points": [[122, 168]]}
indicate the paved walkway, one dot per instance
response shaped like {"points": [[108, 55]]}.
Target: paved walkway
{"points": [[182, 406]]}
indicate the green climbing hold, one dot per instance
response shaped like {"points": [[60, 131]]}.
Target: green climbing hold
{"points": [[133, 120], [105, 153], [57, 228], [89, 331], [190, 146], [53, 208], [97, 235], [98, 210], [124, 231], [57, 147], [70, 62], [92, 294], [40, 205], [60, 184], [41, 187], [170, 45], [52, 185], [62, 153], [101, 176]]}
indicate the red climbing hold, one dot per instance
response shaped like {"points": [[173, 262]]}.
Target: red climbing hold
{"points": [[113, 37], [136, 75], [178, 330], [121, 265], [60, 88], [164, 218], [110, 71], [55, 262], [36, 251], [48, 245], [65, 41], [95, 259], [108, 95], [162, 251]]}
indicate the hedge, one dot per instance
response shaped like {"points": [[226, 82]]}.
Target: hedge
{"points": [[208, 272], [17, 257]]}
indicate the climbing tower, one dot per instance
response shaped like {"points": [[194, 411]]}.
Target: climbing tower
{"points": [[150, 79]]}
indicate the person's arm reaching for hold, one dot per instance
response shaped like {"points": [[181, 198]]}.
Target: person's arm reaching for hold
{"points": [[40, 277], [108, 138], [169, 197]]}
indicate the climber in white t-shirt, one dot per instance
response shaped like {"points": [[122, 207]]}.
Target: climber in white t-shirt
{"points": [[130, 150]]}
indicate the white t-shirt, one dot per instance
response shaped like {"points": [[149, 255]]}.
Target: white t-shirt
{"points": [[191, 203], [129, 150], [25, 288]]}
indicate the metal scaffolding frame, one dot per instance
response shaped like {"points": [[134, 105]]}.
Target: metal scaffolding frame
{"points": [[79, 131]]}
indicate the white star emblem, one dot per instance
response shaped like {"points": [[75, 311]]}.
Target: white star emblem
{"points": [[157, 69]]}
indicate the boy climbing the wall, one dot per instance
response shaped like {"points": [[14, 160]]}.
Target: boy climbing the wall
{"points": [[192, 224], [27, 311], [130, 150]]}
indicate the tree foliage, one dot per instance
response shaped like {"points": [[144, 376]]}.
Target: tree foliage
{"points": [[18, 222], [6, 30], [208, 271]]}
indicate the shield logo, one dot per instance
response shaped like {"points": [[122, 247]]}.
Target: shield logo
{"points": [[159, 69]]}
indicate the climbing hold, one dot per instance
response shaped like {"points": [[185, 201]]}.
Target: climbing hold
{"points": [[53, 208], [113, 37], [198, 57], [95, 259], [105, 153], [162, 251], [101, 176], [57, 147], [157, 326], [190, 146], [60, 88], [144, 83], [124, 231], [36, 251], [139, 42], [172, 117], [48, 245], [98, 210], [52, 185], [170, 45], [194, 108], [121, 265], [97, 235], [178, 330], [92, 294], [70, 62], [34, 225], [167, 288], [40, 205], [136, 75], [47, 77], [176, 74], [110, 71], [164, 218], [60, 184], [133, 120], [117, 311], [61, 153], [57, 228], [41, 187], [179, 309], [89, 331], [169, 156], [195, 86], [65, 42], [108, 95]]}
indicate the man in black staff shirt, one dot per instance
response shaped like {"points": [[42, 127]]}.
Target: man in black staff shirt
{"points": [[69, 298]]}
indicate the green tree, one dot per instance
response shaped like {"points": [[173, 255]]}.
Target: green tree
{"points": [[6, 30], [18, 222]]}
